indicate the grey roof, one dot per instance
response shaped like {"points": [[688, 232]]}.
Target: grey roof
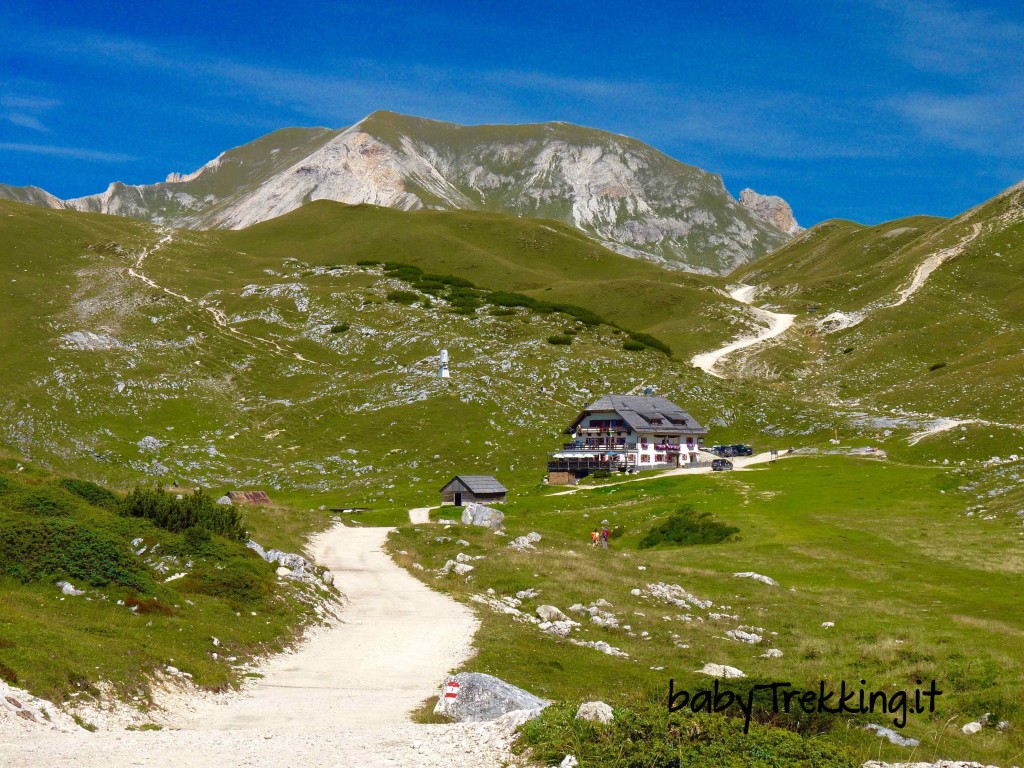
{"points": [[479, 483], [638, 410]]}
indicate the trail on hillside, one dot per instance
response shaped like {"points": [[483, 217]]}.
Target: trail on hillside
{"points": [[342, 698], [778, 324], [219, 318], [839, 321]]}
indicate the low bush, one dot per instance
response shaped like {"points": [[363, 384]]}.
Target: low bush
{"points": [[936, 366], [633, 346], [646, 735], [239, 581], [49, 549], [650, 341], [403, 297], [686, 527], [150, 605], [339, 328], [167, 511], [94, 494], [561, 339]]}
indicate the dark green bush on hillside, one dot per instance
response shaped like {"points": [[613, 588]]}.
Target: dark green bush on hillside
{"points": [[646, 735], [403, 297], [566, 340], [633, 346], [94, 494], [339, 328], [54, 548], [686, 527], [240, 581], [196, 510], [650, 341]]}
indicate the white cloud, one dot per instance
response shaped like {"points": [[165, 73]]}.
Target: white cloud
{"points": [[75, 153]]}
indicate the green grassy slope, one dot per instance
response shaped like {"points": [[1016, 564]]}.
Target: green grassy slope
{"points": [[152, 596], [838, 265], [953, 349], [862, 543], [235, 378]]}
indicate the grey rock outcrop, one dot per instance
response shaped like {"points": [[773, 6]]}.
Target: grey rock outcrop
{"points": [[482, 515], [595, 711], [772, 210], [473, 697]]}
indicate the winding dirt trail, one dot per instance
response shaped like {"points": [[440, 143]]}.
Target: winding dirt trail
{"points": [[341, 699], [778, 324]]}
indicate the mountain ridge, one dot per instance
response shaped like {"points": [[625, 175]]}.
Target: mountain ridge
{"points": [[628, 196]]}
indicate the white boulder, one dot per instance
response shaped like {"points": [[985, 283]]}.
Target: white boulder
{"points": [[595, 711]]}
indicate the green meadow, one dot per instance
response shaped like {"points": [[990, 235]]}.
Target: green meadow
{"points": [[915, 590]]}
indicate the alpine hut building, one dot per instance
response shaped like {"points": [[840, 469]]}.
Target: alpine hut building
{"points": [[463, 489], [626, 433]]}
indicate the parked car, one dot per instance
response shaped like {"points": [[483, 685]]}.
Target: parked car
{"points": [[720, 465], [742, 450], [722, 450]]}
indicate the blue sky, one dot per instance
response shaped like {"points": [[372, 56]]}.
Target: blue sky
{"points": [[860, 109]]}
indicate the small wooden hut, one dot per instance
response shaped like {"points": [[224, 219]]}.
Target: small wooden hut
{"points": [[482, 489]]}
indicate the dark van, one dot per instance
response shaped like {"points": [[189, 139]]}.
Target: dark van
{"points": [[720, 465]]}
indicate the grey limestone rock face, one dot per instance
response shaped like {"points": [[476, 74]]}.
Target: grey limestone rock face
{"points": [[473, 697], [482, 515]]}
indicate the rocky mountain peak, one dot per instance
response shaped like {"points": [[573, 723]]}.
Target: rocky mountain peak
{"points": [[771, 209]]}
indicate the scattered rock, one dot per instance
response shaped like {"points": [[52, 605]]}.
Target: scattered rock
{"points": [[282, 571], [720, 670], [772, 653], [595, 711], [892, 736], [68, 589], [744, 637], [828, 624], [482, 515], [602, 646], [971, 728], [225, 500], [473, 697], [757, 577], [525, 543], [569, 761], [451, 566], [550, 613]]}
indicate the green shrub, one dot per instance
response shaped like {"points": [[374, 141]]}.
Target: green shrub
{"points": [[686, 527], [601, 474], [848, 350], [43, 502], [582, 314], [650, 341], [240, 581], [510, 299], [562, 339], [52, 548], [167, 511], [633, 346], [96, 495], [936, 366], [646, 735], [339, 328], [569, 331], [403, 297]]}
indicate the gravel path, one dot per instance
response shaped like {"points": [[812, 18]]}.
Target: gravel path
{"points": [[778, 324], [341, 699]]}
